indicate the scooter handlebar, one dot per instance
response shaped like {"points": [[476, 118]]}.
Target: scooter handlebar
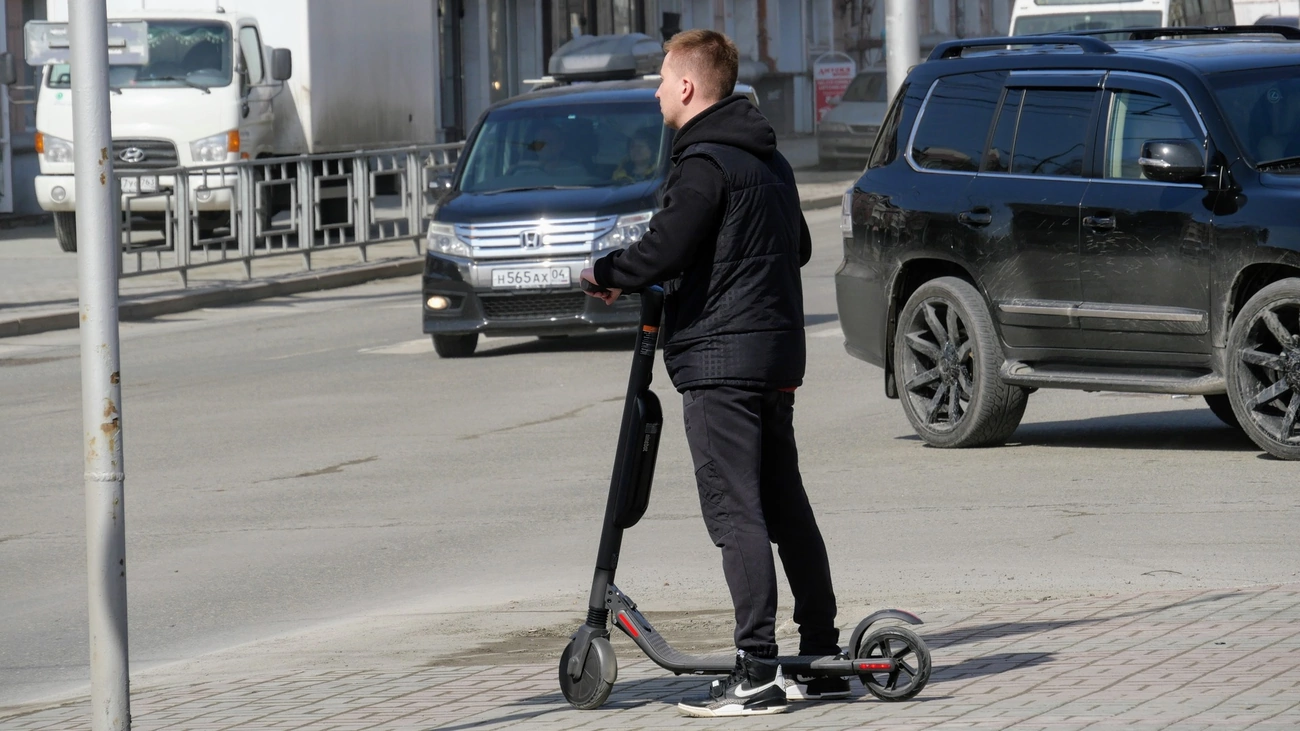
{"points": [[593, 288]]}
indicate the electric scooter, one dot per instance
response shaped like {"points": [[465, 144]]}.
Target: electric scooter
{"points": [[892, 661]]}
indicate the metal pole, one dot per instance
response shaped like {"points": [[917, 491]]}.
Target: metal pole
{"points": [[902, 41], [101, 392]]}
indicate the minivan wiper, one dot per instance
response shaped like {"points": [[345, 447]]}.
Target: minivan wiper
{"points": [[183, 80], [536, 187], [1281, 162]]}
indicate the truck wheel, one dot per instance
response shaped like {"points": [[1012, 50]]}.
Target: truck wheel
{"points": [[1264, 368], [947, 357], [65, 230], [455, 346]]}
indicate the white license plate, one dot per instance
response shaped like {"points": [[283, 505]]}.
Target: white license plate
{"points": [[531, 277], [142, 184]]}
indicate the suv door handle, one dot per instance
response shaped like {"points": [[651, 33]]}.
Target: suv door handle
{"points": [[1099, 222], [975, 218]]}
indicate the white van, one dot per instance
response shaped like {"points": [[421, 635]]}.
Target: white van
{"points": [[1032, 17]]}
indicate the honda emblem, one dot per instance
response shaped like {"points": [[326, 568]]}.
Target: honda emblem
{"points": [[530, 239]]}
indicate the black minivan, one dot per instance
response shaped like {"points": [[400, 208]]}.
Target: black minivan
{"points": [[1072, 212]]}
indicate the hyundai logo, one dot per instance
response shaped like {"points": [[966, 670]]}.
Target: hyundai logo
{"points": [[530, 239], [132, 155]]}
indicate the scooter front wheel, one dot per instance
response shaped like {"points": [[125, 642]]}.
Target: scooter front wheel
{"points": [[596, 682], [911, 658]]}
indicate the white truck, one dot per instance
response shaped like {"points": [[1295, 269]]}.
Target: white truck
{"points": [[239, 79]]}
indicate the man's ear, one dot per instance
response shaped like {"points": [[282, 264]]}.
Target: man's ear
{"points": [[688, 91]]}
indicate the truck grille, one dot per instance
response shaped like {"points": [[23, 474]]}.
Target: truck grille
{"points": [[534, 239], [533, 306], [144, 155]]}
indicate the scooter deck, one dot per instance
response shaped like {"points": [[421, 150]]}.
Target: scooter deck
{"points": [[653, 644]]}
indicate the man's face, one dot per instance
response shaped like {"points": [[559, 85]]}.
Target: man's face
{"points": [[670, 92]]}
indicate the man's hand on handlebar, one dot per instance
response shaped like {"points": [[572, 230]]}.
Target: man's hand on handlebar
{"points": [[588, 281]]}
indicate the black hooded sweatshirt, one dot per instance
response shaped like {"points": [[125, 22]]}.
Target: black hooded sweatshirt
{"points": [[727, 245]]}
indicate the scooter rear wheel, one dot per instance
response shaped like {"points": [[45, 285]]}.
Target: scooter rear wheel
{"points": [[910, 654], [591, 690]]}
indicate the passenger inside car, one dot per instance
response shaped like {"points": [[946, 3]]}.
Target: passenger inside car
{"points": [[641, 162]]}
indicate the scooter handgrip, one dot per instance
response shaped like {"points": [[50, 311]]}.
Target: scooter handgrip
{"points": [[592, 287]]}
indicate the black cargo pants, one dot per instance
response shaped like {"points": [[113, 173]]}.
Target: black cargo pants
{"points": [[751, 494]]}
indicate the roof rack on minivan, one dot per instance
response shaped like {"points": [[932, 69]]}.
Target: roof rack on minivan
{"points": [[1151, 34], [953, 49]]}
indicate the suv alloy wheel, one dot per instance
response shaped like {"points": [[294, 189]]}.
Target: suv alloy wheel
{"points": [[1263, 364], [946, 357]]}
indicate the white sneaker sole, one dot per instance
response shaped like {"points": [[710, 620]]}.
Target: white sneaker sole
{"points": [[795, 693], [731, 711]]}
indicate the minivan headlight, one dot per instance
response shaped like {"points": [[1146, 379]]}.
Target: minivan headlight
{"points": [[442, 239], [627, 231], [55, 149]]}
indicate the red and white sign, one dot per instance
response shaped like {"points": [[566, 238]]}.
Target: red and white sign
{"points": [[832, 74]]}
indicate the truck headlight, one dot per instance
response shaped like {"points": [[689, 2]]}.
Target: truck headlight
{"points": [[55, 149], [833, 128], [215, 148], [442, 239], [627, 231]]}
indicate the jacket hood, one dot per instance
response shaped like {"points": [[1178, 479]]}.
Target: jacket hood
{"points": [[733, 121]]}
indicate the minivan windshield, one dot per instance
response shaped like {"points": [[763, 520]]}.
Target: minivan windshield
{"points": [[584, 145], [1063, 22], [181, 53], [869, 86], [1263, 108]]}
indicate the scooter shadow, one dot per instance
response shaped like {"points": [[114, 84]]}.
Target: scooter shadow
{"points": [[611, 342], [628, 695]]}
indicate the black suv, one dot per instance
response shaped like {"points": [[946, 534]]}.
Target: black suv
{"points": [[1079, 212]]}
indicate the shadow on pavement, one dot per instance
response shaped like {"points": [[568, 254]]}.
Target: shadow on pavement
{"points": [[611, 342], [983, 665], [1004, 630], [1181, 430]]}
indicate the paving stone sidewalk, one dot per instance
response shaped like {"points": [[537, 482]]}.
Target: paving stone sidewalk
{"points": [[1223, 659]]}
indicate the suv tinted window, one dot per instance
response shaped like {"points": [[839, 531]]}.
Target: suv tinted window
{"points": [[886, 147], [1263, 108], [1053, 132], [955, 122], [1134, 119], [998, 157]]}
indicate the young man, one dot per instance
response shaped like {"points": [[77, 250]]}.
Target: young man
{"points": [[728, 244]]}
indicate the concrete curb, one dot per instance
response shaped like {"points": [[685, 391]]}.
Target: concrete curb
{"points": [[147, 307]]}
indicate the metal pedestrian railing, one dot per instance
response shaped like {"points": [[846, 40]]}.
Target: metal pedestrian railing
{"points": [[180, 219]]}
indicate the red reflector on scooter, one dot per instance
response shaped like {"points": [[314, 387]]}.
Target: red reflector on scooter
{"points": [[875, 666], [627, 625]]}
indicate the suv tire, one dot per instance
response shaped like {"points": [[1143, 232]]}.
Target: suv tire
{"points": [[947, 358], [455, 346], [1221, 405], [65, 230], [1263, 375]]}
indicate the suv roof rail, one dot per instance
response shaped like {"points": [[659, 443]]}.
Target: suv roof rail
{"points": [[1150, 34], [953, 49]]}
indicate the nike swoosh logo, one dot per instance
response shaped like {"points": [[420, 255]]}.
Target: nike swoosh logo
{"points": [[753, 691]]}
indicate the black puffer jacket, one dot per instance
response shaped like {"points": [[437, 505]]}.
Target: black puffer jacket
{"points": [[727, 244]]}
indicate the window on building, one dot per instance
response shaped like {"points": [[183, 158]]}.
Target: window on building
{"points": [[955, 122]]}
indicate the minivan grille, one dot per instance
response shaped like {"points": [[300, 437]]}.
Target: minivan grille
{"points": [[527, 239], [533, 306], [144, 155]]}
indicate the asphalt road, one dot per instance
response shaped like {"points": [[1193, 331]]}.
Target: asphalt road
{"points": [[309, 485]]}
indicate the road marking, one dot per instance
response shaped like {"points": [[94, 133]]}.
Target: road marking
{"points": [[409, 347]]}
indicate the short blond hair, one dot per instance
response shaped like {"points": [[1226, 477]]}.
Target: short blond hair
{"points": [[710, 58]]}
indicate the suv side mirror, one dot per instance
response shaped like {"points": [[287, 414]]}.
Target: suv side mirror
{"points": [[281, 64], [440, 185], [1172, 161], [8, 69]]}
